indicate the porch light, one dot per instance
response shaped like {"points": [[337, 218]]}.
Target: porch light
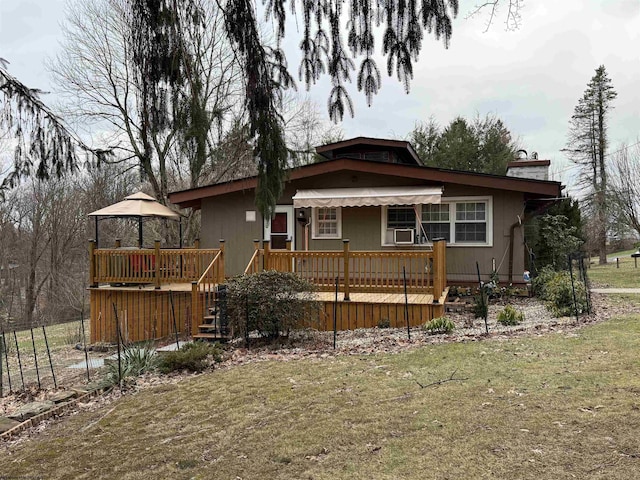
{"points": [[302, 218]]}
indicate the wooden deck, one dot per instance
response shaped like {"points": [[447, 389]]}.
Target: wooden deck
{"points": [[368, 310], [155, 293], [412, 298]]}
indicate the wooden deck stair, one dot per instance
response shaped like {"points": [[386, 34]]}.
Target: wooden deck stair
{"points": [[214, 325]]}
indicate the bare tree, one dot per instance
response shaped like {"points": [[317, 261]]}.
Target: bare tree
{"points": [[305, 128], [625, 187], [97, 73], [49, 246], [492, 8]]}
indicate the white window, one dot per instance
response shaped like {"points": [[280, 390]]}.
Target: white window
{"points": [[463, 221], [326, 222], [435, 221], [398, 218], [471, 222]]}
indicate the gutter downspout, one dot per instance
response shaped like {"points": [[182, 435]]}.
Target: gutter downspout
{"points": [[512, 230]]}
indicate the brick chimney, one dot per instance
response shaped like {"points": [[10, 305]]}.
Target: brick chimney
{"points": [[525, 167]]}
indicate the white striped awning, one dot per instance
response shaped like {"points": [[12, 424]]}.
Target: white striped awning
{"points": [[366, 197]]}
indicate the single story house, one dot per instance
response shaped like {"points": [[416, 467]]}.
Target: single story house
{"points": [[376, 193]]}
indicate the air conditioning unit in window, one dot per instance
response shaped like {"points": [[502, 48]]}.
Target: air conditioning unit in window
{"points": [[403, 236]]}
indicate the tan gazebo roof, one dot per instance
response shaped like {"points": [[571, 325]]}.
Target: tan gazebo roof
{"points": [[136, 205]]}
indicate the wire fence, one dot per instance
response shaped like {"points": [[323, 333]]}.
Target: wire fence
{"points": [[47, 356], [62, 354]]}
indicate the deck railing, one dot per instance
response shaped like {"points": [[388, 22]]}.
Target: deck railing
{"points": [[203, 290], [360, 271], [149, 265], [254, 265]]}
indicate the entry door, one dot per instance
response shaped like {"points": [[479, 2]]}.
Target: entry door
{"points": [[280, 228]]}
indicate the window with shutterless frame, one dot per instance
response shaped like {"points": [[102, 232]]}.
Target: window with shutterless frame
{"points": [[461, 221], [327, 222]]}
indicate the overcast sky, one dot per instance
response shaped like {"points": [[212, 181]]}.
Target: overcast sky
{"points": [[531, 78]]}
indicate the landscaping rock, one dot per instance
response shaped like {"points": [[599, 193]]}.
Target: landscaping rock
{"points": [[31, 410], [88, 388], [7, 424], [62, 396]]}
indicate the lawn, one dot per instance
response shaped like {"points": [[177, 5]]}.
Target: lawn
{"points": [[562, 405], [618, 275]]}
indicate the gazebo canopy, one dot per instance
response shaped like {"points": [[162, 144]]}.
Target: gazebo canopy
{"points": [[136, 205]]}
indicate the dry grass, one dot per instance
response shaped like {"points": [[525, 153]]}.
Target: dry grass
{"points": [[553, 406], [627, 276]]}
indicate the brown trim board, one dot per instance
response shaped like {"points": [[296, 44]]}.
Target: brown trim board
{"points": [[543, 188]]}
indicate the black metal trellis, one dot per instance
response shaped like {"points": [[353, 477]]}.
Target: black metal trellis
{"points": [[46, 342], [115, 311], [406, 302], [335, 317], [6, 358], [15, 338], [35, 358]]}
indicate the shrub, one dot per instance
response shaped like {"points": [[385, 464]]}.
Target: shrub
{"points": [[439, 325], [559, 295], [271, 302], [134, 361], [195, 357], [555, 288], [540, 281], [481, 305], [510, 316], [384, 323]]}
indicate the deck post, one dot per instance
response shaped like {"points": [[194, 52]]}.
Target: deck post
{"points": [[221, 266], [198, 260], [157, 264], [265, 265], [288, 244], [345, 244], [92, 263], [195, 321], [256, 246], [439, 269]]}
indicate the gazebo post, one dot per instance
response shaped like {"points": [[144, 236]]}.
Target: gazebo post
{"points": [[96, 232], [180, 227], [140, 231]]}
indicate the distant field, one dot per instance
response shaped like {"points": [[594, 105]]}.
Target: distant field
{"points": [[610, 275], [561, 405]]}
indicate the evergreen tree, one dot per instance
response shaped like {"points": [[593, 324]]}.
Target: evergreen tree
{"points": [[556, 234], [497, 148], [587, 146], [44, 146], [424, 137], [457, 148], [324, 52], [484, 145]]}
